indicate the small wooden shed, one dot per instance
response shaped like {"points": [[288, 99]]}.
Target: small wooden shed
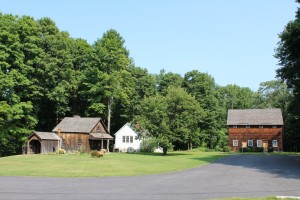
{"points": [[43, 142]]}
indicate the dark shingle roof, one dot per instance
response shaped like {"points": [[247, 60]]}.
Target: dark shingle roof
{"points": [[46, 135], [77, 124], [255, 117]]}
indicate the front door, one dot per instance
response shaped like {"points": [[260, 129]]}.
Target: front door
{"points": [[265, 146]]}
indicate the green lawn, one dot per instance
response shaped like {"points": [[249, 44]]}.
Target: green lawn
{"points": [[113, 164]]}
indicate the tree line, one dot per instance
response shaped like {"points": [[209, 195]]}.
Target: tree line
{"points": [[46, 75]]}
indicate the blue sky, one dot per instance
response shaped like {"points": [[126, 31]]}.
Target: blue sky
{"points": [[232, 40]]}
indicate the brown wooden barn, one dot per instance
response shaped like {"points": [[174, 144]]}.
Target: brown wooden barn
{"points": [[255, 128], [83, 132], [43, 142]]}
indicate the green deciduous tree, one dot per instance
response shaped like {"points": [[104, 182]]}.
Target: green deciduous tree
{"points": [[173, 119]]}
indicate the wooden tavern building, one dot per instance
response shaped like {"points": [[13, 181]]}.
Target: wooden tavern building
{"points": [[255, 128], [72, 134]]}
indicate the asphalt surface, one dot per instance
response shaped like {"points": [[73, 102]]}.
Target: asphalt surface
{"points": [[234, 176]]}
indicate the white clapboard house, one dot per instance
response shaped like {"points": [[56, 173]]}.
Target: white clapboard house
{"points": [[127, 140]]}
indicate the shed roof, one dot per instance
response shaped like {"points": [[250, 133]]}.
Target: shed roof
{"points": [[255, 117], [45, 135], [77, 124]]}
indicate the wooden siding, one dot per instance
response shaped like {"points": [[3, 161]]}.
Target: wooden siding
{"points": [[71, 141], [266, 134], [49, 146], [99, 128]]}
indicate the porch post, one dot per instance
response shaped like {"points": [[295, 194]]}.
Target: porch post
{"points": [[107, 145], [102, 143]]}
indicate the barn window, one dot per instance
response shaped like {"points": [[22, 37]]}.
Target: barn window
{"points": [[247, 126], [63, 143], [235, 143], [274, 126], [123, 139], [259, 143], [131, 139], [261, 126], [79, 143], [274, 143], [234, 126], [250, 143]]}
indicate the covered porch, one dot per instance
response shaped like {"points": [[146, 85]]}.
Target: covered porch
{"points": [[100, 141]]}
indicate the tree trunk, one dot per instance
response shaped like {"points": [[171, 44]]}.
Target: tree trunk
{"points": [[165, 149], [109, 114]]}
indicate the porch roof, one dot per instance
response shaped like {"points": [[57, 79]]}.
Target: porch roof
{"points": [[97, 136]]}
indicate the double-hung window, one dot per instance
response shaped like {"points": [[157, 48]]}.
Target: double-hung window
{"points": [[250, 143], [235, 143], [259, 143]]}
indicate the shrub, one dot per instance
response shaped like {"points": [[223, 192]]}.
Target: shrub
{"points": [[81, 149], [148, 145], [226, 149], [270, 149], [62, 151]]}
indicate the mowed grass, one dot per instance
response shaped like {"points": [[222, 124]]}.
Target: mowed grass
{"points": [[113, 164]]}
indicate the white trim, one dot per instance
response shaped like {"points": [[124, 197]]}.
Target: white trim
{"points": [[235, 143], [274, 143], [257, 143], [250, 142]]}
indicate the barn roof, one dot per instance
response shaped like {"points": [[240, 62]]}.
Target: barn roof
{"points": [[255, 117], [45, 135], [77, 124]]}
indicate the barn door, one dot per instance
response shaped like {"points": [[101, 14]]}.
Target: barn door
{"points": [[265, 146]]}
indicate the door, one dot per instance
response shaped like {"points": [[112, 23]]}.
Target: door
{"points": [[265, 146]]}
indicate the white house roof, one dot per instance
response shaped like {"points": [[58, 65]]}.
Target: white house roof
{"points": [[125, 125], [255, 117]]}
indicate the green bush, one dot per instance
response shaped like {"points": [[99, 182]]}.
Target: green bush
{"points": [[148, 145], [226, 149], [252, 149], [270, 149]]}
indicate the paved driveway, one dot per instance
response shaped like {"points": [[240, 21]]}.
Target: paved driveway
{"points": [[234, 176]]}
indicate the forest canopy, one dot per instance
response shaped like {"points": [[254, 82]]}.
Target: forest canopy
{"points": [[46, 75]]}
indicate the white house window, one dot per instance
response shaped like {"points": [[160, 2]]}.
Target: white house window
{"points": [[261, 126], [250, 143], [274, 143], [234, 126], [235, 143], [259, 143], [127, 139], [274, 126], [247, 126]]}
